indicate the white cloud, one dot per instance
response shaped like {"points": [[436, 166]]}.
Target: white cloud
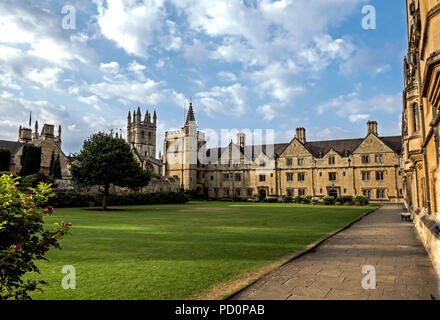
{"points": [[267, 112], [131, 24], [227, 76], [111, 67], [356, 109], [230, 100]]}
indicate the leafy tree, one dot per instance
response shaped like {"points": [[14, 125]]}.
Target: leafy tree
{"points": [[5, 159], [106, 160], [23, 236], [57, 168], [30, 160]]}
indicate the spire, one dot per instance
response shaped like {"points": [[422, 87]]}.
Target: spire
{"points": [[36, 126], [129, 117], [59, 132], [190, 116], [138, 115], [134, 116], [154, 117]]}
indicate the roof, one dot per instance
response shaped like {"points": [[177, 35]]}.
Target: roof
{"points": [[190, 117], [12, 146], [344, 147]]}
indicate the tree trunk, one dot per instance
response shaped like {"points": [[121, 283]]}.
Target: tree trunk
{"points": [[106, 194]]}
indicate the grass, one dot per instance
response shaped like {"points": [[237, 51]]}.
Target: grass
{"points": [[181, 251]]}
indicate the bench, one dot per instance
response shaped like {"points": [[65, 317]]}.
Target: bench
{"points": [[406, 216]]}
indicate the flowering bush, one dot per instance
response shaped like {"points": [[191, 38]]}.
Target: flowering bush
{"points": [[23, 238]]}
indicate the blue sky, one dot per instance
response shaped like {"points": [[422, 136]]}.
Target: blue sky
{"points": [[251, 64]]}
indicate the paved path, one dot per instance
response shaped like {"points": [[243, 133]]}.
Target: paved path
{"points": [[334, 269]]}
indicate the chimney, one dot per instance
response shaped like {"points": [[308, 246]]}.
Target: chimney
{"points": [[301, 135], [24, 135], [241, 140], [372, 128]]}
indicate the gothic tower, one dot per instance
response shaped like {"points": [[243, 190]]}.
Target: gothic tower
{"points": [[141, 133]]}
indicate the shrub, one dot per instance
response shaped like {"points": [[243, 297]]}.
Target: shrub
{"points": [[74, 199], [271, 200], [33, 180], [5, 159], [30, 160], [287, 199], [361, 199], [303, 199], [23, 236], [357, 203], [345, 200], [337, 203], [328, 200]]}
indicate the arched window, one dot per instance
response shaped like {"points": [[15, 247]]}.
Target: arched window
{"points": [[416, 117]]}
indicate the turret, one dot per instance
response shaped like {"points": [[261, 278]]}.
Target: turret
{"points": [[24, 135], [138, 116], [129, 119], [372, 127], [154, 118]]}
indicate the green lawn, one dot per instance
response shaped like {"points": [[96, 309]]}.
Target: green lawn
{"points": [[179, 251]]}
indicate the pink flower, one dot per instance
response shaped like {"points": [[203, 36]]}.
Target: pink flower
{"points": [[29, 195], [69, 224], [49, 209], [16, 247]]}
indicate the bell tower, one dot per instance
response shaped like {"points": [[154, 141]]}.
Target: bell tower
{"points": [[141, 134]]}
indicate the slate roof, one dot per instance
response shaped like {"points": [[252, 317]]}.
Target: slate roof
{"points": [[318, 149], [12, 146]]}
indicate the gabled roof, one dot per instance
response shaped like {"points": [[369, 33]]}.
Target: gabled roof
{"points": [[12, 146], [318, 149]]}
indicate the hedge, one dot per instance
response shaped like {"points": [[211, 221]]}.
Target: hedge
{"points": [[5, 159], [75, 200]]}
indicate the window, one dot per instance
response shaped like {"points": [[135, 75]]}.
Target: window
{"points": [[416, 117], [289, 177], [262, 177], [301, 192], [300, 161], [320, 190], [379, 158], [238, 177], [290, 193], [379, 176], [289, 162], [262, 163], [226, 177], [331, 160], [332, 176], [380, 194], [250, 192], [301, 177], [344, 174], [365, 176], [226, 192], [345, 190], [216, 192], [367, 193], [401, 192], [212, 178], [365, 159], [238, 192]]}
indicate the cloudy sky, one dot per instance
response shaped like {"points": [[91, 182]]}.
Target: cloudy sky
{"points": [[247, 64]]}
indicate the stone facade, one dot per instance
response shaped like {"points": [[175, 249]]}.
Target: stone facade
{"points": [[47, 140], [369, 166], [141, 135], [421, 120]]}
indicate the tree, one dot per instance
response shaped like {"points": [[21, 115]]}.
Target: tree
{"points": [[52, 161], [57, 168], [5, 159], [106, 160], [30, 160], [24, 238]]}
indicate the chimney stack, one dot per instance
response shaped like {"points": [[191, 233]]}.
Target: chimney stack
{"points": [[301, 135], [241, 140], [372, 127]]}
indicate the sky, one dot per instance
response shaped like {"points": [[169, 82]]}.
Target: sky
{"points": [[244, 64]]}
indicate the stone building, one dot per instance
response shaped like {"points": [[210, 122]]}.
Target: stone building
{"points": [[47, 140], [421, 120], [368, 166], [141, 135]]}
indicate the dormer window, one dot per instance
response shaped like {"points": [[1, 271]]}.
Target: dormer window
{"points": [[331, 160]]}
